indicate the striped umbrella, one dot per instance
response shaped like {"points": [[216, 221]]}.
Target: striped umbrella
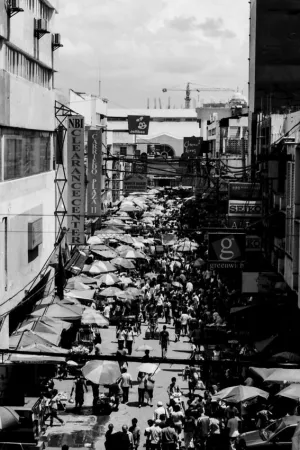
{"points": [[109, 279], [100, 267]]}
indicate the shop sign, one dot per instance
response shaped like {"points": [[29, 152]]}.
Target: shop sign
{"points": [[94, 173], [253, 243], [245, 208], [35, 233], [76, 180], [135, 183], [192, 145], [235, 222], [244, 191], [226, 251], [138, 124]]}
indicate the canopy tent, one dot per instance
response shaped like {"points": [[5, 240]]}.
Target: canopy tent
{"points": [[284, 375], [84, 295], [110, 292], [262, 372], [27, 337], [238, 394], [94, 240], [122, 262], [39, 348], [107, 231], [68, 313], [132, 254], [292, 391], [127, 239], [38, 326], [106, 254], [81, 279], [56, 324]]}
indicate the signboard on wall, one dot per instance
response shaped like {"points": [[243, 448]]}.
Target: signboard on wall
{"points": [[241, 222], [244, 191], [245, 208], [76, 180], [138, 124], [35, 233], [135, 183], [226, 250], [94, 173], [192, 145]]}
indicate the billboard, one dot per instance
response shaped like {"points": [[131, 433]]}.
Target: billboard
{"points": [[226, 250], [192, 145], [274, 55], [245, 208], [135, 183], [94, 173], [138, 124], [244, 191], [76, 180]]}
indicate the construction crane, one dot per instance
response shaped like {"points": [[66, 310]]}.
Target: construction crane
{"points": [[188, 91]]}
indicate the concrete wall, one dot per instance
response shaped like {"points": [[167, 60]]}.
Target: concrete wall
{"points": [[24, 104], [33, 195]]}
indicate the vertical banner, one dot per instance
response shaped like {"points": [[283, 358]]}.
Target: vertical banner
{"points": [[94, 173], [76, 180]]}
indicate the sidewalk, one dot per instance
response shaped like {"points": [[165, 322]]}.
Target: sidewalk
{"points": [[86, 430]]}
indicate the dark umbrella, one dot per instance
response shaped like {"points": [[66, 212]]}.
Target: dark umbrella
{"points": [[286, 357]]}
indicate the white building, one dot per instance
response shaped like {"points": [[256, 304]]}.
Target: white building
{"points": [[27, 193]]}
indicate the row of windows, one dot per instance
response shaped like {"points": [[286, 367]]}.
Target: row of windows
{"points": [[25, 155], [40, 9], [20, 65]]}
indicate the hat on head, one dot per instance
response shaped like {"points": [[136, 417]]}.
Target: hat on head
{"points": [[157, 422], [159, 403]]}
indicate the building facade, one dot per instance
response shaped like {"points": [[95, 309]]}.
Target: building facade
{"points": [[27, 196], [164, 144]]}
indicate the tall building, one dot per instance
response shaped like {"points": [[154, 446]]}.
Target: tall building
{"points": [[27, 194]]}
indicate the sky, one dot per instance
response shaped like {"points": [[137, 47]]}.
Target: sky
{"points": [[139, 47]]}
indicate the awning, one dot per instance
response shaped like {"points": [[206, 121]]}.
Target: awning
{"points": [[262, 372], [27, 337], [262, 345], [284, 375], [60, 312]]}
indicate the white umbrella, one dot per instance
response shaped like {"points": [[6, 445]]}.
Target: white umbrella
{"points": [[148, 368], [101, 372]]}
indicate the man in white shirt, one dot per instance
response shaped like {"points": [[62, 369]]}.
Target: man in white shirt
{"points": [[189, 287], [155, 435], [106, 312], [184, 318], [160, 410], [126, 383], [233, 429]]}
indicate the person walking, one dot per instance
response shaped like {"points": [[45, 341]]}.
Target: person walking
{"points": [[142, 377], [169, 437], [136, 433], [189, 428], [78, 386], [233, 426], [177, 325], [53, 405], [202, 430], [126, 383], [108, 437], [149, 384], [125, 439], [121, 335], [155, 436], [164, 341], [129, 340]]}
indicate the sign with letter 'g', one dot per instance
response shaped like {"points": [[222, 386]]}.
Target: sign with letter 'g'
{"points": [[226, 250]]}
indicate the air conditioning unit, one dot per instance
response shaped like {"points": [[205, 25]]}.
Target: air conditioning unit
{"points": [[56, 39], [41, 25]]}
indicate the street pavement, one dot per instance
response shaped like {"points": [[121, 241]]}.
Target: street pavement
{"points": [[85, 430]]}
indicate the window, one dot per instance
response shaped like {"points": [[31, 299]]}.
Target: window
{"points": [[21, 65], [26, 153], [123, 151]]}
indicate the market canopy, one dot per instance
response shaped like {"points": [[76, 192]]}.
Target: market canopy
{"points": [[238, 394], [38, 326], [100, 267], [262, 372], [122, 262], [109, 279], [110, 292], [106, 254], [27, 337], [39, 348], [56, 324], [94, 240], [133, 254], [59, 311], [292, 391], [284, 375], [127, 239], [84, 295]]}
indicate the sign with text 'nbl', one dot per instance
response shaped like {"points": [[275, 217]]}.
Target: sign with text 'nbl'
{"points": [[94, 173], [226, 250], [138, 124], [245, 208], [76, 180], [135, 183]]}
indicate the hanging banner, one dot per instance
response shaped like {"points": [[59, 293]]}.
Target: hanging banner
{"points": [[76, 180], [94, 173], [138, 124]]}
